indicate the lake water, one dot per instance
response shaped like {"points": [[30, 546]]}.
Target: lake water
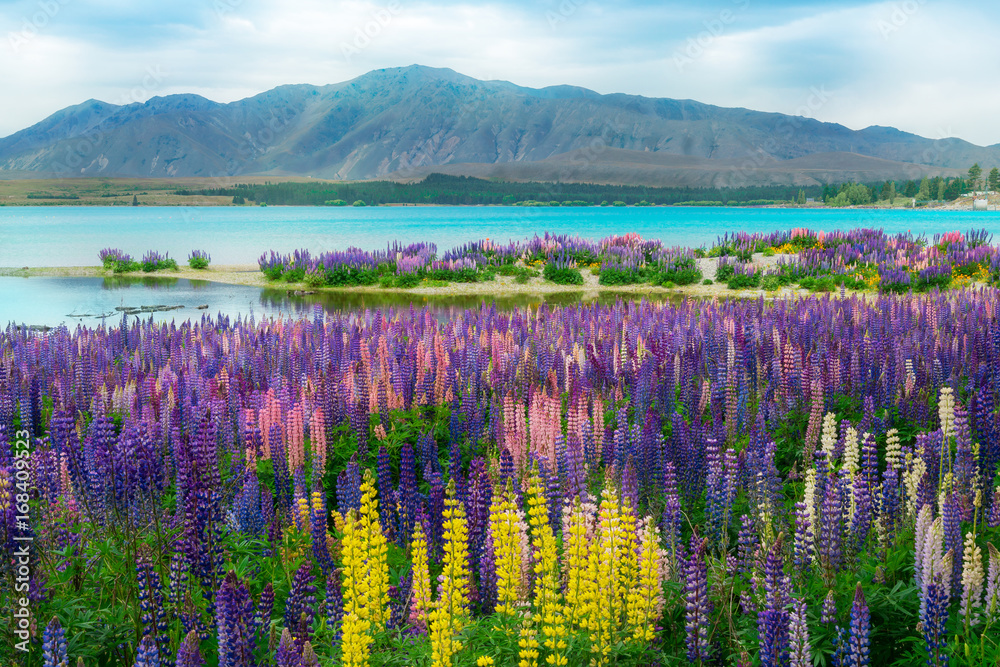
{"points": [[72, 236], [92, 301]]}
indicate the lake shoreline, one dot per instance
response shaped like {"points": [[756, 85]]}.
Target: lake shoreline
{"points": [[500, 287]]}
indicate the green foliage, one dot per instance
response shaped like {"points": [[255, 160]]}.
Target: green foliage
{"points": [[119, 266], [622, 276], [359, 202], [851, 194], [743, 281], [566, 276], [770, 282], [706, 281], [198, 262], [445, 189], [725, 272], [168, 263]]}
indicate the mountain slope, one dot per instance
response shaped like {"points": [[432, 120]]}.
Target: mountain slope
{"points": [[401, 121]]}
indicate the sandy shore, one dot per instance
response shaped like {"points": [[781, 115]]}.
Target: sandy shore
{"points": [[250, 275]]}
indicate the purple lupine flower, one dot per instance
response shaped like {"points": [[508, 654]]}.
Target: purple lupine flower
{"points": [[189, 653], [407, 495], [234, 611], [151, 608], [772, 619], [287, 654], [934, 620], [334, 603], [299, 607], [857, 654], [147, 655], [54, 645], [828, 613], [349, 489], [317, 527], [385, 491], [265, 606], [698, 605], [798, 630]]}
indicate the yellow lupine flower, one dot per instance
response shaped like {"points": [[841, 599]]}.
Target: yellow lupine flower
{"points": [[604, 609], [366, 578], [576, 554], [506, 533], [548, 605], [645, 602], [421, 579], [450, 612]]}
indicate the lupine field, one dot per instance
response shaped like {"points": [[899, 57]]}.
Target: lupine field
{"points": [[808, 481], [860, 259]]}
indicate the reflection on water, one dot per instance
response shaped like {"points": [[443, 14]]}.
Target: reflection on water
{"points": [[149, 282], [341, 301], [91, 301]]}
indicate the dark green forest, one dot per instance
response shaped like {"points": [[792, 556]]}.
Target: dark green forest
{"points": [[445, 189]]}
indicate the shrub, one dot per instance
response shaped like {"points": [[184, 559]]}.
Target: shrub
{"points": [[724, 272], [768, 252], [385, 282], [682, 271], [359, 202], [154, 261], [565, 275], [706, 281], [199, 259], [109, 256], [770, 282], [407, 280], [744, 281], [620, 276], [124, 266]]}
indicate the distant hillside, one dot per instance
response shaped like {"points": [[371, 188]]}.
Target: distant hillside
{"points": [[406, 122], [661, 169]]}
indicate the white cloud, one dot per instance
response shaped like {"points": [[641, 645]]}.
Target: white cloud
{"points": [[907, 63]]}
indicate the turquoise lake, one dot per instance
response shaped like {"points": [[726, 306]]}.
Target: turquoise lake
{"points": [[72, 236]]}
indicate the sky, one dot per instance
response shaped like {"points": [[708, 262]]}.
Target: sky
{"points": [[923, 66]]}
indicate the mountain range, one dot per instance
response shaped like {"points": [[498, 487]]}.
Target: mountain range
{"points": [[404, 123]]}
